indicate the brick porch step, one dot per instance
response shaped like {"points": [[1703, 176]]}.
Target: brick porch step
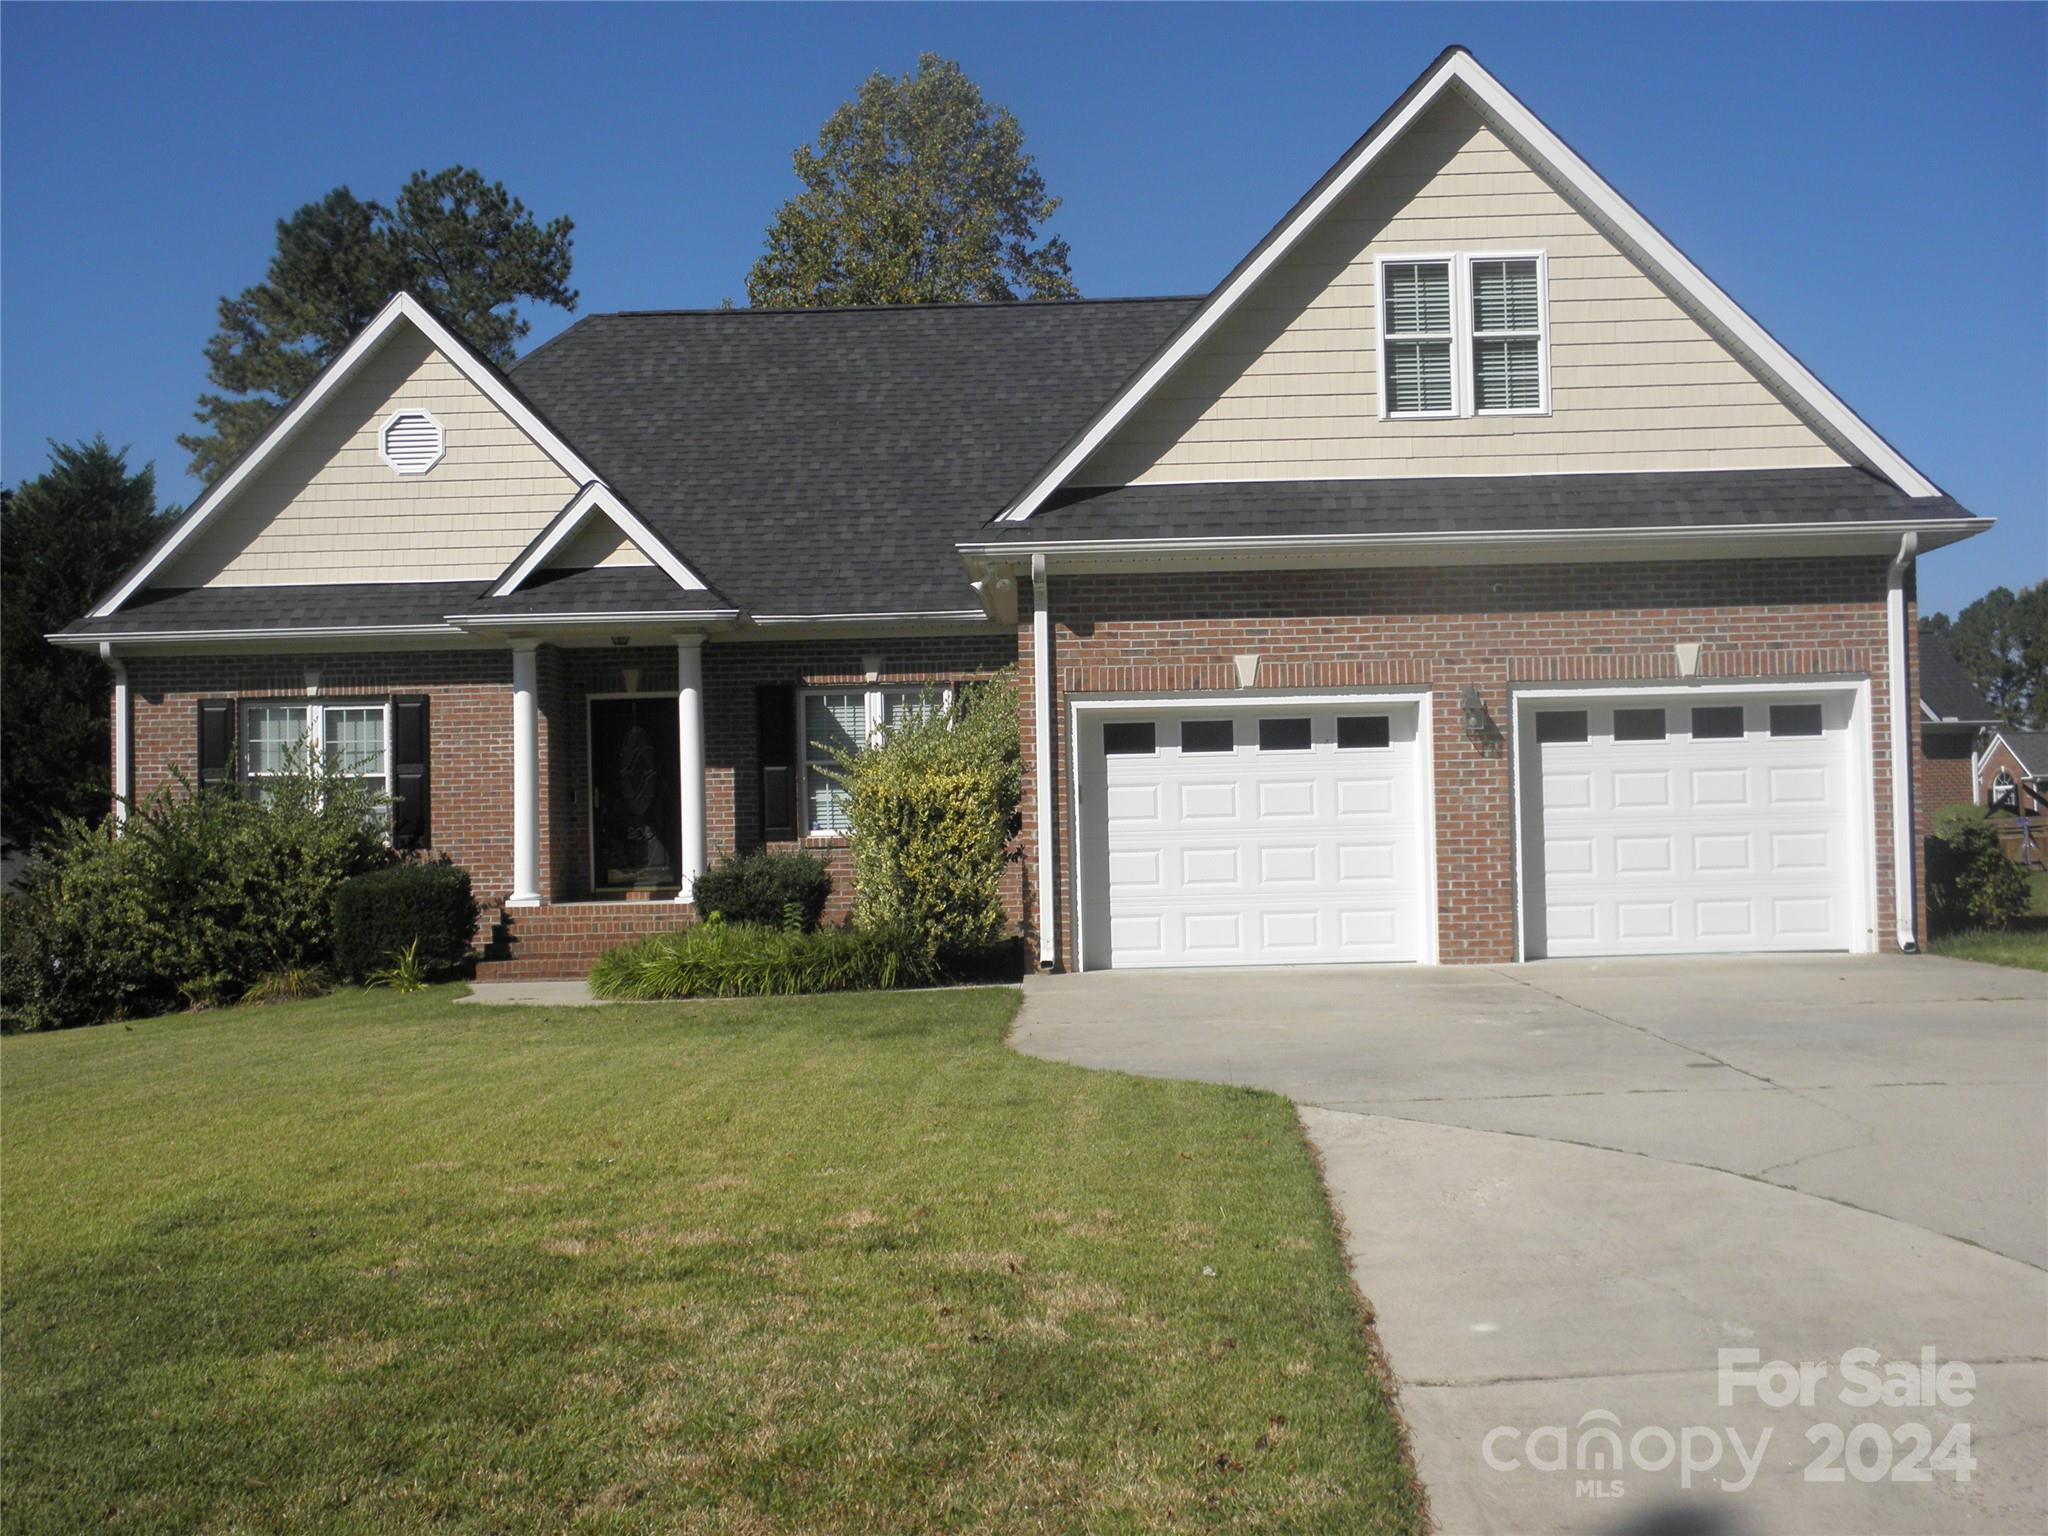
{"points": [[563, 941]]}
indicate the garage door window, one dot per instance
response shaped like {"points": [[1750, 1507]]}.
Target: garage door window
{"points": [[1207, 736], [1560, 725], [1129, 738], [1720, 722], [1639, 725], [1362, 732], [1795, 719], [1287, 734]]}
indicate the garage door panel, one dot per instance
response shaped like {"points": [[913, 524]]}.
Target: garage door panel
{"points": [[1278, 854], [1660, 843]]}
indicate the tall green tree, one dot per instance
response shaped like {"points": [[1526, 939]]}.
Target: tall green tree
{"points": [[65, 537], [918, 191], [2001, 641], [464, 246]]}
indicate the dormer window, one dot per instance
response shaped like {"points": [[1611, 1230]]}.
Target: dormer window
{"points": [[1463, 335]]}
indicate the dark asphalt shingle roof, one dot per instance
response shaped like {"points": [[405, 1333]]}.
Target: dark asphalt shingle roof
{"points": [[1946, 688], [357, 605], [2031, 748], [829, 460], [1306, 508], [605, 589]]}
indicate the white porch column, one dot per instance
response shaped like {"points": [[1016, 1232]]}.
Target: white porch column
{"points": [[525, 775], [124, 737], [690, 734], [1042, 695], [1904, 722]]}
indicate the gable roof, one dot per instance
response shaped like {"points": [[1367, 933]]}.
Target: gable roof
{"points": [[596, 500], [827, 461], [2030, 747], [402, 309], [1456, 69], [1947, 695]]}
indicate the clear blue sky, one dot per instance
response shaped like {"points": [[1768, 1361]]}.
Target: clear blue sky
{"points": [[1871, 183]]}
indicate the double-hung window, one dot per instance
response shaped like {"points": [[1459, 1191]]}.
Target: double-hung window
{"points": [[1420, 343], [354, 743], [839, 722], [1463, 335]]}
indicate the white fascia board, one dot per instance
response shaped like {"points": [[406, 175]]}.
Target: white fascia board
{"points": [[402, 307], [594, 499], [1480, 546], [1461, 69], [202, 636], [509, 621], [938, 616]]}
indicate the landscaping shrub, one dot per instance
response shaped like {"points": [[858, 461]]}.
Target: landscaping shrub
{"points": [[760, 887], [202, 894], [379, 914], [1970, 881], [932, 808], [720, 959]]}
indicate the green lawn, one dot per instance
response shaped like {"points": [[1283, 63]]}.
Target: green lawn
{"points": [[2024, 944], [848, 1264]]}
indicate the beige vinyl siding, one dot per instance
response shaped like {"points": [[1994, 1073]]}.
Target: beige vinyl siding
{"points": [[326, 508], [600, 541], [1286, 387]]}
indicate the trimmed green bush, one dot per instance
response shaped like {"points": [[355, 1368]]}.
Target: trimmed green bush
{"points": [[932, 808], [202, 894], [381, 914], [1970, 881], [720, 959], [761, 888]]}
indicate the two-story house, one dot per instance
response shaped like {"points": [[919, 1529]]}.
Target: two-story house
{"points": [[1465, 578]]}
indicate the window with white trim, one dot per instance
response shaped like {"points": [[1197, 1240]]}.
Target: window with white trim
{"points": [[1416, 304], [354, 738], [1507, 335], [841, 721], [1464, 335]]}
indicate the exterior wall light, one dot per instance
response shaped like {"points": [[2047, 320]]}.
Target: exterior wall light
{"points": [[1478, 725]]}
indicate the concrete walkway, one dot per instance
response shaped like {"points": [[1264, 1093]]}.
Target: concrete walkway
{"points": [[1569, 1186], [532, 994]]}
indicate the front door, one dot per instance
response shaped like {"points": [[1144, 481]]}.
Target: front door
{"points": [[634, 794]]}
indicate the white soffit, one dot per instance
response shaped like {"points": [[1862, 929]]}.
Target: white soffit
{"points": [[1599, 200]]}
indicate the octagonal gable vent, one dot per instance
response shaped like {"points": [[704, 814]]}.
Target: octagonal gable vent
{"points": [[412, 442]]}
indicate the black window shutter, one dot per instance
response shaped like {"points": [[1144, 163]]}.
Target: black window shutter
{"points": [[411, 821], [775, 733], [216, 742]]}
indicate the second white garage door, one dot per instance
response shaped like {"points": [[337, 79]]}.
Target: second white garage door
{"points": [[1691, 823], [1266, 834]]}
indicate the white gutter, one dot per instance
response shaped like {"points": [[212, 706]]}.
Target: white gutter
{"points": [[1516, 540], [184, 636], [1041, 684], [598, 619], [938, 616], [1904, 906], [124, 736]]}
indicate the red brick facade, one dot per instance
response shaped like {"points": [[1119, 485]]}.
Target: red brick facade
{"points": [[1493, 628], [1998, 758], [470, 714], [1945, 759]]}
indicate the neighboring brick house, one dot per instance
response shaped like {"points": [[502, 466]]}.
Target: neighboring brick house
{"points": [[2012, 772], [1465, 578], [1953, 714]]}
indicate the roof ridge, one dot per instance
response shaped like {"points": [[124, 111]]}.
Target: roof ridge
{"points": [[885, 309]]}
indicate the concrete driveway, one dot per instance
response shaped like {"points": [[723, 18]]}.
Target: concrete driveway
{"points": [[1570, 1186]]}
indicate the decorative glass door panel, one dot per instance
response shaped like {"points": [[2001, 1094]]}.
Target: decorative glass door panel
{"points": [[634, 794]]}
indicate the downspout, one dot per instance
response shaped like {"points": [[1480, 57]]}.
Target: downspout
{"points": [[1041, 683], [124, 736], [1904, 907]]}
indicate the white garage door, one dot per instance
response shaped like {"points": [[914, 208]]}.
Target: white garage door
{"points": [[1661, 825], [1271, 834]]}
